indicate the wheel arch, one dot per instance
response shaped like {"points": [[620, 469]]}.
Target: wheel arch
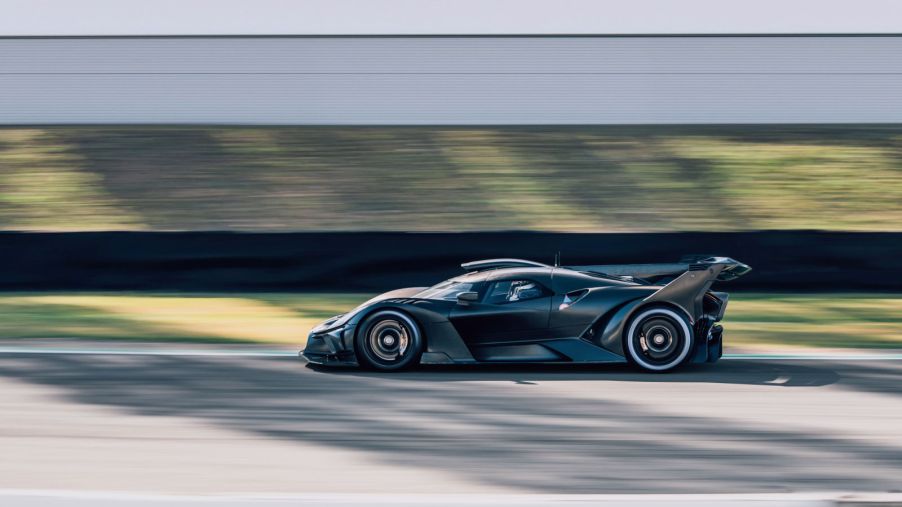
{"points": [[441, 340], [612, 327], [369, 312]]}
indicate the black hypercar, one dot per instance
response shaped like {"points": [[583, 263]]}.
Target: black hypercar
{"points": [[656, 316]]}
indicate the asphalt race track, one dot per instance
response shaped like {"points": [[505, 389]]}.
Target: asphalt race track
{"points": [[222, 424]]}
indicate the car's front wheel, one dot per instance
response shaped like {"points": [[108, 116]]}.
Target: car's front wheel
{"points": [[659, 339], [388, 340]]}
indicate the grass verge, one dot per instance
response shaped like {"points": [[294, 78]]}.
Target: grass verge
{"points": [[816, 320]]}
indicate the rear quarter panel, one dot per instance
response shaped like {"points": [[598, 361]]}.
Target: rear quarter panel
{"points": [[593, 310]]}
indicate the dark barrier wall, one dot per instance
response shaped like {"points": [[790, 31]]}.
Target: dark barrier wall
{"points": [[217, 261]]}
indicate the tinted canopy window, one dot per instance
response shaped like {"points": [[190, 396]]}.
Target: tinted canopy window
{"points": [[511, 291]]}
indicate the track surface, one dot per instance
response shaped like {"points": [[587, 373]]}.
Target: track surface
{"points": [[215, 424]]}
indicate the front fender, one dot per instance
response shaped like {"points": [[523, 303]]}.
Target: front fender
{"points": [[443, 343]]}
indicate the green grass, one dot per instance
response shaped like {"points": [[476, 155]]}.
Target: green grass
{"points": [[817, 320], [224, 318]]}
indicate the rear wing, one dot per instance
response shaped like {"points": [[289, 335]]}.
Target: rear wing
{"points": [[730, 269], [686, 281], [688, 289]]}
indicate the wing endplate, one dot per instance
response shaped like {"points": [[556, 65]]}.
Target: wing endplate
{"points": [[688, 289]]}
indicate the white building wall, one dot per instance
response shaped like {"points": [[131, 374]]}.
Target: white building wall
{"points": [[451, 80]]}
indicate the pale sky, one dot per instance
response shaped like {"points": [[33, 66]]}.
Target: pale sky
{"points": [[387, 17]]}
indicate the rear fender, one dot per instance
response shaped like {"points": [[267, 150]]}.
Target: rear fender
{"points": [[612, 335]]}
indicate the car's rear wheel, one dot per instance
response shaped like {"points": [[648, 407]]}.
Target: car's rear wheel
{"points": [[388, 340], [659, 339]]}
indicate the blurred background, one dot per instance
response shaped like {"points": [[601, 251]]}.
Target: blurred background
{"points": [[263, 168], [580, 179], [187, 187], [363, 209]]}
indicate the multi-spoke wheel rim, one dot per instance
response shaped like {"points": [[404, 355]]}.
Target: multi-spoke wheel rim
{"points": [[659, 339], [388, 340]]}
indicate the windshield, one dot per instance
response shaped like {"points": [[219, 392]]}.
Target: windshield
{"points": [[447, 290]]}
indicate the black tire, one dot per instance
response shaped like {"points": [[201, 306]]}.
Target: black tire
{"points": [[388, 340], [659, 339]]}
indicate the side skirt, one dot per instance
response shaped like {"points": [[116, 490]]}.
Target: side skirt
{"points": [[564, 350]]}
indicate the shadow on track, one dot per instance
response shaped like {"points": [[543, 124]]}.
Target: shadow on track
{"points": [[732, 372], [525, 437]]}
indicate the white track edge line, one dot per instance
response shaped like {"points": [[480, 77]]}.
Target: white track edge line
{"points": [[293, 353]]}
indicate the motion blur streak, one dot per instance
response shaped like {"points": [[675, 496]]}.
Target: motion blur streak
{"points": [[69, 499], [151, 350], [578, 179], [233, 424]]}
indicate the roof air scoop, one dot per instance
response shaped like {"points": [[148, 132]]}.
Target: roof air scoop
{"points": [[484, 265]]}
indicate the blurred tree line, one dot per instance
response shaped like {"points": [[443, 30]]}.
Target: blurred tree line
{"points": [[580, 179]]}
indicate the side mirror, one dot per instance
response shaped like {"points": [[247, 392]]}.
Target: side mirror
{"points": [[465, 298]]}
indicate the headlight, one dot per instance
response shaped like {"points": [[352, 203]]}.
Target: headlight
{"points": [[332, 323]]}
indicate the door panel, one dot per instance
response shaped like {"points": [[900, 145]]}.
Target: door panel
{"points": [[480, 323]]}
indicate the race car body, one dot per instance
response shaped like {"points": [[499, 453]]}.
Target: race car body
{"points": [[656, 316]]}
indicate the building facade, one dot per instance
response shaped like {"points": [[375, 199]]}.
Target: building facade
{"points": [[446, 80]]}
